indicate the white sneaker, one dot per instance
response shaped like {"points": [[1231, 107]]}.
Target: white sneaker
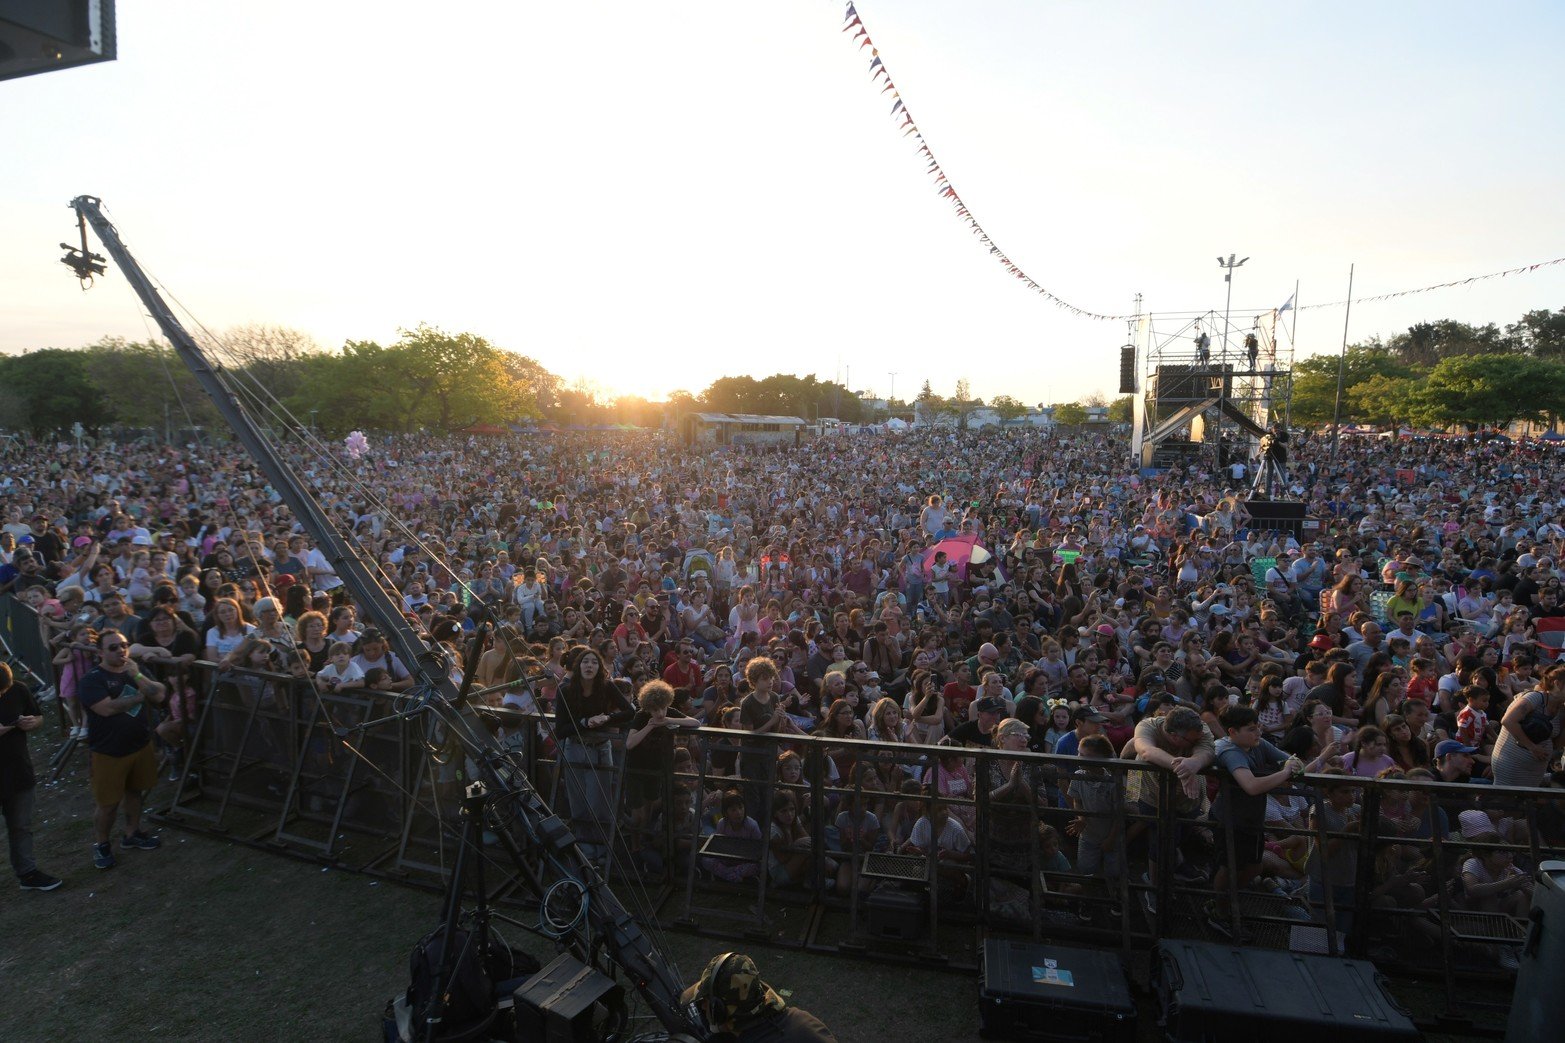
{"points": [[79, 732]]}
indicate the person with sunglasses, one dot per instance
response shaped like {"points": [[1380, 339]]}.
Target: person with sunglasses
{"points": [[113, 698]]}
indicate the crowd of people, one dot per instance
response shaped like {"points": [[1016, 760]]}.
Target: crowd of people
{"points": [[641, 588]]}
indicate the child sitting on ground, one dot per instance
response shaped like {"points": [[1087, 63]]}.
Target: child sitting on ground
{"points": [[734, 823]]}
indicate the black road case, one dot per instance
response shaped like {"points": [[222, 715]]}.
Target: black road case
{"points": [[897, 915], [1212, 993], [1038, 991]]}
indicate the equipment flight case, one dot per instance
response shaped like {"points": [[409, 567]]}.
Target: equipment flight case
{"points": [[1040, 991], [1210, 993]]}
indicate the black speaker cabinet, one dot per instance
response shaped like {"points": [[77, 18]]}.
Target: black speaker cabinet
{"points": [[1280, 515], [44, 35], [567, 1002], [897, 915], [1040, 991], [1210, 993]]}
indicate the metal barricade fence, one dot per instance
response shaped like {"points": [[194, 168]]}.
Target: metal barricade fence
{"points": [[1058, 847], [271, 758], [23, 644]]}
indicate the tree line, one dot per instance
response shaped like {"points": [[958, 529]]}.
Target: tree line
{"points": [[1435, 374], [1442, 374], [427, 379]]}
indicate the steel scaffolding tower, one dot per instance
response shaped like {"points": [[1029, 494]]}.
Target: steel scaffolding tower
{"points": [[1206, 395]]}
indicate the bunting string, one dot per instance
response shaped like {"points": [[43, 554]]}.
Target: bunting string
{"points": [[942, 183], [1523, 270], [946, 191]]}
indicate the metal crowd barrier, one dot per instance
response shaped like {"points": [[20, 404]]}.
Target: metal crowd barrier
{"points": [[274, 762], [23, 645]]}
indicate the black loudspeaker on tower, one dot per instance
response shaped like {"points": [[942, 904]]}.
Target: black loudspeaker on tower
{"points": [[1127, 370]]}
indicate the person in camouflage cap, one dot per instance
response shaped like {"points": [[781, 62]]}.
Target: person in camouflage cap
{"points": [[733, 999]]}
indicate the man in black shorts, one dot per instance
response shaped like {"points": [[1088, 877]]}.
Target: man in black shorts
{"points": [[124, 765], [1254, 767]]}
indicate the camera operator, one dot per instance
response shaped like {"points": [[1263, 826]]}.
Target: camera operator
{"points": [[124, 766], [18, 716]]}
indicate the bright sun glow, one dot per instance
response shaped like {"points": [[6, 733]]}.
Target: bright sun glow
{"points": [[653, 195]]}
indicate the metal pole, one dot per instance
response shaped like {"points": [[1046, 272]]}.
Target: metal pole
{"points": [[1222, 364], [1342, 361], [1293, 351]]}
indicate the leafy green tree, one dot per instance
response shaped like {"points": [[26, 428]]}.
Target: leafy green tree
{"points": [[1122, 410], [927, 405], [1426, 343], [1315, 380], [1540, 333], [1491, 389], [1008, 407], [681, 402], [56, 389], [528, 373], [1070, 414], [1383, 401], [732, 395], [362, 386], [460, 378], [143, 383]]}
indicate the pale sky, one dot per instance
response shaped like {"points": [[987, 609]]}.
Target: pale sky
{"points": [[653, 195]]}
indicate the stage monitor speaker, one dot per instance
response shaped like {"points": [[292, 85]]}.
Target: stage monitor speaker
{"points": [[568, 1002], [1127, 370], [44, 35], [1282, 516]]}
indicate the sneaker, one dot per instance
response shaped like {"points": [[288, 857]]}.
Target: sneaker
{"points": [[1224, 926], [79, 732], [140, 841], [1508, 959], [103, 856], [39, 881]]}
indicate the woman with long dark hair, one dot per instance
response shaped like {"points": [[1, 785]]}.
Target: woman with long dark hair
{"points": [[589, 706]]}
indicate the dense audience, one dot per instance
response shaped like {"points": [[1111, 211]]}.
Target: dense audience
{"points": [[641, 587]]}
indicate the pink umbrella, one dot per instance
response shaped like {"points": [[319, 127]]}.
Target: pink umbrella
{"points": [[960, 551]]}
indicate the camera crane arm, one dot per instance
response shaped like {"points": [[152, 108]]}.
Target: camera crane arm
{"points": [[611, 926]]}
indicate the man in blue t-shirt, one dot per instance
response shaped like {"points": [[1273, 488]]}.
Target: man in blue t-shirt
{"points": [[1254, 767], [124, 767]]}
